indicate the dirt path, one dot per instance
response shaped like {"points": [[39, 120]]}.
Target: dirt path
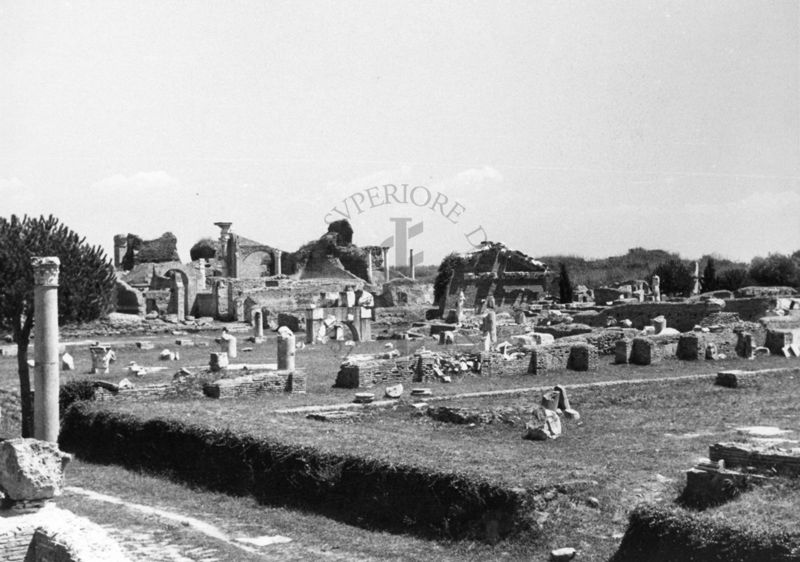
{"points": [[159, 535], [525, 390]]}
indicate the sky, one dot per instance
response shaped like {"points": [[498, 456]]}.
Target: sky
{"points": [[569, 127]]}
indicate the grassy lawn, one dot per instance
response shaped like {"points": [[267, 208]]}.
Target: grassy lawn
{"points": [[321, 363], [632, 444]]}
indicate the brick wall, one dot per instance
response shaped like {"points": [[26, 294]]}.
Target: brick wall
{"points": [[576, 356], [137, 393], [257, 384]]}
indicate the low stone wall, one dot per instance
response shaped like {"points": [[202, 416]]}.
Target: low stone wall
{"points": [[605, 340], [683, 316], [495, 365], [137, 393], [575, 357], [564, 330], [750, 309], [368, 373], [759, 457], [271, 382]]}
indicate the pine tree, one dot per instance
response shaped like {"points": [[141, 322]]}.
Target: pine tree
{"points": [[86, 283], [564, 285], [709, 280]]}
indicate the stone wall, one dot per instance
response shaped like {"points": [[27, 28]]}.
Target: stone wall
{"points": [[604, 340], [368, 373], [681, 316], [271, 382], [577, 357], [750, 309], [138, 393]]}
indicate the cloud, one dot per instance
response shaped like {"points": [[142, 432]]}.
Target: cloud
{"points": [[10, 185], [140, 180]]}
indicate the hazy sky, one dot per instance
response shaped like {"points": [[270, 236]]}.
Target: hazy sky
{"points": [[557, 127]]}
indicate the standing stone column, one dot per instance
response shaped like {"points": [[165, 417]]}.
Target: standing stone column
{"points": [[120, 249], [385, 263], [45, 298], [201, 275], [277, 258], [286, 350], [231, 346], [411, 263], [179, 297], [369, 267], [224, 234], [258, 325]]}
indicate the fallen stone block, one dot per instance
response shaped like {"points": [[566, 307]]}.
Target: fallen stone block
{"points": [[394, 391], [562, 554], [543, 425], [67, 362], [691, 347], [761, 351], [550, 400], [735, 379], [563, 401], [62, 536], [31, 469], [144, 345]]}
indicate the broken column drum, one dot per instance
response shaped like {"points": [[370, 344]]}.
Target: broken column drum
{"points": [[286, 351], [46, 374], [258, 324]]}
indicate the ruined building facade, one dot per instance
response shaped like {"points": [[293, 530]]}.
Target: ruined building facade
{"points": [[512, 278]]}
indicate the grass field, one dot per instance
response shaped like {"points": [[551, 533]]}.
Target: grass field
{"points": [[632, 445]]}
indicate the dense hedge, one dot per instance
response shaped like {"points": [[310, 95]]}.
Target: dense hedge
{"points": [[74, 391], [370, 493], [658, 534]]}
